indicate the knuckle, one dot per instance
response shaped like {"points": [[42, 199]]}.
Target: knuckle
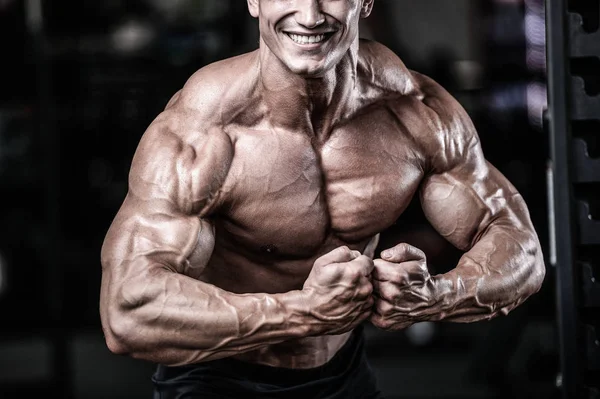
{"points": [[365, 292], [396, 298], [359, 274], [354, 275], [381, 322], [383, 307], [365, 262], [398, 277], [404, 247], [386, 324], [387, 293], [344, 250], [349, 274], [358, 268]]}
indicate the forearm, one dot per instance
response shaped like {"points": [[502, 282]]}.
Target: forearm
{"points": [[172, 319], [501, 271]]}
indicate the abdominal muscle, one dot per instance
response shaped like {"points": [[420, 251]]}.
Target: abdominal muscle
{"points": [[302, 353]]}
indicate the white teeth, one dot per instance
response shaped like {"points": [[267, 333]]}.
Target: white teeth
{"points": [[306, 39]]}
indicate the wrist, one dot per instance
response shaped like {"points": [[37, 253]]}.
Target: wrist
{"points": [[449, 291], [296, 305]]}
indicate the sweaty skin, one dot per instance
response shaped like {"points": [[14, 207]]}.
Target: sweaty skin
{"points": [[257, 197]]}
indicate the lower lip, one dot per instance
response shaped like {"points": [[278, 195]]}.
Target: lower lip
{"points": [[309, 46]]}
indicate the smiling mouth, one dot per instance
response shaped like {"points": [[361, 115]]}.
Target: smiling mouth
{"points": [[309, 39]]}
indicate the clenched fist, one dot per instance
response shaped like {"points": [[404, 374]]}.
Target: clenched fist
{"points": [[403, 288], [339, 290]]}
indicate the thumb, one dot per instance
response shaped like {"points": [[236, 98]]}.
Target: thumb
{"points": [[402, 252], [339, 255]]}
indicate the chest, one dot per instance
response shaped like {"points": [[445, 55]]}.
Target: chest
{"points": [[290, 194]]}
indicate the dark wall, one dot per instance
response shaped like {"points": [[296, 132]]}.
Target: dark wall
{"points": [[79, 89]]}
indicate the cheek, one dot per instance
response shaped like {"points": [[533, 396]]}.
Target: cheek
{"points": [[346, 12], [268, 33], [265, 23]]}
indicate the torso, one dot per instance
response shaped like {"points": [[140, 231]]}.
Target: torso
{"points": [[291, 197]]}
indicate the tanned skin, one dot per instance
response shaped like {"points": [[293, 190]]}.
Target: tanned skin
{"points": [[257, 197]]}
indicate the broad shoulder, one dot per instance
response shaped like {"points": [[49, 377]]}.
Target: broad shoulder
{"points": [[196, 116], [436, 122], [180, 161], [181, 158], [185, 154], [448, 135], [382, 72], [218, 88]]}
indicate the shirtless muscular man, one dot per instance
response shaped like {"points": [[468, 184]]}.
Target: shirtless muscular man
{"points": [[242, 260]]}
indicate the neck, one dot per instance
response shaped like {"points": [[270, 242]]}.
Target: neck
{"points": [[308, 104]]}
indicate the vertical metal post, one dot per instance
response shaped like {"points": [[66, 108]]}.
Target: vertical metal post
{"points": [[560, 150]]}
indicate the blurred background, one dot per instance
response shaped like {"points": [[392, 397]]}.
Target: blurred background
{"points": [[81, 80]]}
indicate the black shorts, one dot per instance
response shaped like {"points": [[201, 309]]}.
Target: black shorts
{"points": [[346, 376]]}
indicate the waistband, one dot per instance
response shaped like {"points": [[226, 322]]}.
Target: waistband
{"points": [[349, 354]]}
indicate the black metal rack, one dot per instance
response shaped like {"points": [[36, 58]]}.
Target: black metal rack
{"points": [[573, 120]]}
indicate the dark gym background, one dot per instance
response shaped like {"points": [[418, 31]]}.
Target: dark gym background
{"points": [[81, 80]]}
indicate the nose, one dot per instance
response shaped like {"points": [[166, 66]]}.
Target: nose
{"points": [[309, 13]]}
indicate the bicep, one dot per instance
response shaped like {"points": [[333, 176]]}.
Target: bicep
{"points": [[172, 184], [152, 233], [462, 203], [462, 194]]}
